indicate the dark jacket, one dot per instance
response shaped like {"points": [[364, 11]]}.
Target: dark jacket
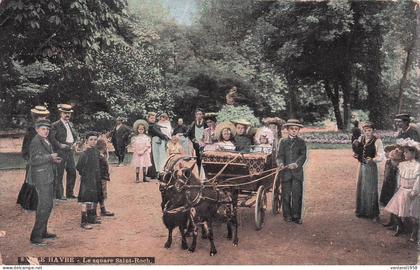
{"points": [[154, 131], [292, 151], [180, 129], [121, 137], [191, 130], [104, 168], [58, 134], [411, 133], [41, 165], [29, 135], [364, 149], [242, 143], [90, 177]]}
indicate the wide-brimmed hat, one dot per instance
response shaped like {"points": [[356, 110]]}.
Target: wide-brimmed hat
{"points": [[42, 123], [402, 117], [40, 110], [368, 124], [210, 116], [67, 108], [266, 132], [138, 123], [241, 121], [274, 120], [220, 127], [293, 122], [409, 143]]}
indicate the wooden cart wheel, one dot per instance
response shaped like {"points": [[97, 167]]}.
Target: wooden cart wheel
{"points": [[260, 207], [276, 197]]}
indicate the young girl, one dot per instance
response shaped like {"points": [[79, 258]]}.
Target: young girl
{"points": [[174, 146], [101, 145], [404, 204], [141, 150], [264, 140]]}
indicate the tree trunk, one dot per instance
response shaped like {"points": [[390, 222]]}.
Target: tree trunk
{"points": [[335, 100], [346, 89], [408, 61], [292, 100]]}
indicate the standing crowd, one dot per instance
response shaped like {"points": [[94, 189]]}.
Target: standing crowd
{"points": [[49, 149], [400, 193]]}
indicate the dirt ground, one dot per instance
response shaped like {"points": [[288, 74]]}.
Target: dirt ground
{"points": [[330, 234]]}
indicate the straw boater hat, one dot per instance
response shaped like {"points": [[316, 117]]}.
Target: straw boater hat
{"points": [[138, 123], [222, 126], [402, 117], [40, 110], [65, 108], [241, 121], [293, 122]]}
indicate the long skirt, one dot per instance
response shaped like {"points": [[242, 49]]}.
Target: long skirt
{"points": [[367, 191], [389, 186], [159, 153]]}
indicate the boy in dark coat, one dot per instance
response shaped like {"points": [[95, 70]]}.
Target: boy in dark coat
{"points": [[90, 181], [292, 156]]}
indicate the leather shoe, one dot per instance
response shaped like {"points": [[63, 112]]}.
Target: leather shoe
{"points": [[107, 214], [71, 196], [297, 220], [86, 226], [49, 236], [288, 219], [62, 198], [38, 243]]}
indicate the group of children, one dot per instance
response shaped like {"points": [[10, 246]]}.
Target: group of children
{"points": [[227, 136], [404, 206], [94, 174]]}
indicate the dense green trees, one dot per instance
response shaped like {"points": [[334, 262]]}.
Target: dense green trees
{"points": [[288, 58]]}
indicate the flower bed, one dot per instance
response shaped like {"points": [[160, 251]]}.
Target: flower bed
{"points": [[387, 137]]}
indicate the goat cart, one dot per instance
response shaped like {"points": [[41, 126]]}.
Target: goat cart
{"points": [[251, 175]]}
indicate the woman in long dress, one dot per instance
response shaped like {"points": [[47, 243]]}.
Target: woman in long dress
{"points": [[160, 153], [369, 151]]}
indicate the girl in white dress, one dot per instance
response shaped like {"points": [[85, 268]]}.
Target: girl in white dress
{"points": [[405, 202], [141, 145]]}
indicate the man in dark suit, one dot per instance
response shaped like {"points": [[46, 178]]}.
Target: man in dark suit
{"points": [[42, 160], [63, 137], [291, 155], [120, 138], [195, 133]]}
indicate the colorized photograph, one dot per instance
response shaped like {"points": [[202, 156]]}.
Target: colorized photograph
{"points": [[210, 132]]}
